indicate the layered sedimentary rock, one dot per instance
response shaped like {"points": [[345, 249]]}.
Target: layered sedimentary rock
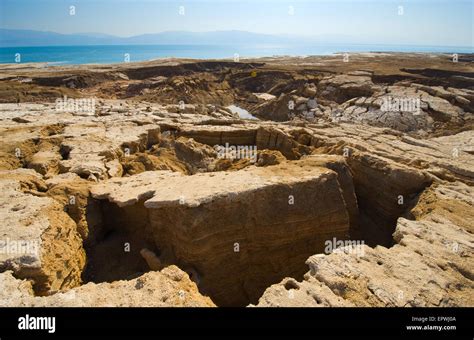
{"points": [[429, 265], [151, 204], [115, 199], [239, 231]]}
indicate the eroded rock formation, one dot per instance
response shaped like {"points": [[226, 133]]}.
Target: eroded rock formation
{"points": [[137, 204], [240, 230], [170, 287], [429, 265]]}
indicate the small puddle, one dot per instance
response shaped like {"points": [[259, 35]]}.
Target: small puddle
{"points": [[244, 114]]}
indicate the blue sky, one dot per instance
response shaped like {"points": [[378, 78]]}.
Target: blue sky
{"points": [[424, 22]]}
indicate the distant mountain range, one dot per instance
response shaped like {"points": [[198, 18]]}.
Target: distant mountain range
{"points": [[11, 38]]}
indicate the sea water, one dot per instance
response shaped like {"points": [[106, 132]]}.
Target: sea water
{"points": [[107, 54]]}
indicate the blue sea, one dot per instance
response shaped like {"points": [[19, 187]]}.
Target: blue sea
{"points": [[107, 54]]}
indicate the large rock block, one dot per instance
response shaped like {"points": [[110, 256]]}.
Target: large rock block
{"points": [[39, 241], [241, 231]]}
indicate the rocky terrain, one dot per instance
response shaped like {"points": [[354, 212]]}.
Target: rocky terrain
{"points": [[140, 184]]}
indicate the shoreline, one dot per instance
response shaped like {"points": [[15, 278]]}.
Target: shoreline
{"points": [[242, 59], [109, 54]]}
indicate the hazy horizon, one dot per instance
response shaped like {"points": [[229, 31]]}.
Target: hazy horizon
{"points": [[350, 39], [415, 22]]}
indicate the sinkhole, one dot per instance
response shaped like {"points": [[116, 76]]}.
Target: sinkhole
{"points": [[236, 245]]}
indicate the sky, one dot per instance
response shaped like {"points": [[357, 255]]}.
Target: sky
{"points": [[418, 22]]}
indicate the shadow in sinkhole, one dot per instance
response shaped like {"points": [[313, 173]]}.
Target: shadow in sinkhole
{"points": [[230, 281]]}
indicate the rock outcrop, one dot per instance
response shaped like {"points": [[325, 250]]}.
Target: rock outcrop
{"points": [[239, 231], [170, 287], [39, 241], [353, 189], [429, 265]]}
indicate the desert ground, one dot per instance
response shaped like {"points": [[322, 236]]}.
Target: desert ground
{"points": [[349, 183]]}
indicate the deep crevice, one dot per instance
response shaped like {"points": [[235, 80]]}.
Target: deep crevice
{"points": [[164, 232]]}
